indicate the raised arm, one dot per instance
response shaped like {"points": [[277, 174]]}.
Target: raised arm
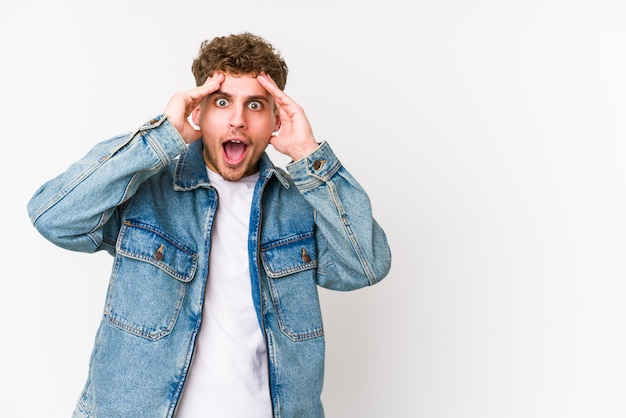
{"points": [[74, 209], [352, 247]]}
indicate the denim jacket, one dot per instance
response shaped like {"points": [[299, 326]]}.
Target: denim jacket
{"points": [[145, 197]]}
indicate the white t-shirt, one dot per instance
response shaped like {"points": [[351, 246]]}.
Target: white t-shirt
{"points": [[228, 377]]}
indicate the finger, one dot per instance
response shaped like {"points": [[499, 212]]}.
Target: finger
{"points": [[270, 85], [267, 82], [194, 96], [211, 85], [216, 78]]}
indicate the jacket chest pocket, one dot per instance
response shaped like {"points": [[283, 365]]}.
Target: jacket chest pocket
{"points": [[290, 265], [149, 281]]}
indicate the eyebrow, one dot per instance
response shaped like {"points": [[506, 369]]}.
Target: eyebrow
{"points": [[248, 98]]}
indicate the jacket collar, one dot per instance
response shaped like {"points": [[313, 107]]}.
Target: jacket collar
{"points": [[190, 172]]}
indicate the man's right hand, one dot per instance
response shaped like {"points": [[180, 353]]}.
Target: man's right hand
{"points": [[182, 104]]}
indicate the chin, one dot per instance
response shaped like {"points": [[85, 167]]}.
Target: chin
{"points": [[231, 174]]}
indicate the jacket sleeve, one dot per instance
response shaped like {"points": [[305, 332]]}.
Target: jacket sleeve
{"points": [[353, 251], [76, 209]]}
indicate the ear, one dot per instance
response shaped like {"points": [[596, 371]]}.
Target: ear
{"points": [[278, 123], [195, 115]]}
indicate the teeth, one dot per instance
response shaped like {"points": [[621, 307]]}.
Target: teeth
{"points": [[235, 141]]}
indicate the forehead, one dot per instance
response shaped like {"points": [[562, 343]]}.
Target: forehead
{"points": [[242, 86]]}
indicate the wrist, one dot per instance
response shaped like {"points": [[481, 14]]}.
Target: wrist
{"points": [[304, 151]]}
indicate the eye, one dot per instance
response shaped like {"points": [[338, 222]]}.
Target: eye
{"points": [[255, 105], [221, 102]]}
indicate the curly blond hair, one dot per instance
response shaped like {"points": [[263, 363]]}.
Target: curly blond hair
{"points": [[242, 53]]}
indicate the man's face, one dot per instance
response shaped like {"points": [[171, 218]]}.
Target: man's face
{"points": [[236, 122]]}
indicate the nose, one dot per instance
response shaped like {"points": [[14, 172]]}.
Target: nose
{"points": [[237, 117]]}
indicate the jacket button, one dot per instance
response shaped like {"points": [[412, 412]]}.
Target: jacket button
{"points": [[305, 257], [158, 254], [317, 164], [153, 121]]}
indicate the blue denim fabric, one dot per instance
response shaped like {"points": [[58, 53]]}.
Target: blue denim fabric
{"points": [[146, 199]]}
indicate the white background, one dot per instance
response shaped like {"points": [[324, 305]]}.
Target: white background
{"points": [[489, 134]]}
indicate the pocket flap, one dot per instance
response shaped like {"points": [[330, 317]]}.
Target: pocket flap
{"points": [[289, 255], [147, 243]]}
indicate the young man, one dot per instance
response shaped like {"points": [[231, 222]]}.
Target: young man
{"points": [[212, 308]]}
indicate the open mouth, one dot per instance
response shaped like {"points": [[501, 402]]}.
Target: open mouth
{"points": [[234, 151]]}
